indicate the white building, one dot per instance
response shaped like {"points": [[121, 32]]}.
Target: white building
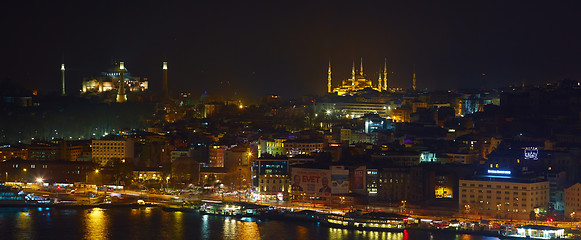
{"points": [[105, 151], [508, 198], [573, 201]]}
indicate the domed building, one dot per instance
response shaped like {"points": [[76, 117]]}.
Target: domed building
{"points": [[109, 80], [357, 82]]}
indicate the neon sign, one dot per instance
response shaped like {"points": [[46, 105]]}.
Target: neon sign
{"points": [[532, 153], [503, 172]]}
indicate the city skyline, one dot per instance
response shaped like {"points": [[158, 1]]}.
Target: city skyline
{"points": [[280, 48]]}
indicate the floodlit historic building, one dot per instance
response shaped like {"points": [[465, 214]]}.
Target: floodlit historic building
{"points": [[358, 81]]}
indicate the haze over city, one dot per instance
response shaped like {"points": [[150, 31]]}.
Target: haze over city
{"points": [[284, 47]]}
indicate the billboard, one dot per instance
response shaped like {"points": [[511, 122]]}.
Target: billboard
{"points": [[313, 182], [339, 180]]}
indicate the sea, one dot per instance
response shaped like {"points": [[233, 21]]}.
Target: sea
{"points": [[155, 223]]}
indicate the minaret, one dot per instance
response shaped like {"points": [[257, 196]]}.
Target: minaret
{"points": [[63, 76], [121, 96], [361, 68], [379, 87], [329, 78], [414, 81], [353, 76], [353, 71], [164, 87], [385, 87]]}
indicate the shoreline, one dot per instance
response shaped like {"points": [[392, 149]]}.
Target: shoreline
{"points": [[266, 217]]}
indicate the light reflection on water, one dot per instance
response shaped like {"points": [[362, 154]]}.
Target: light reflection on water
{"points": [[178, 225], [229, 228], [248, 230], [24, 226], [96, 224], [205, 228], [338, 233], [154, 223]]}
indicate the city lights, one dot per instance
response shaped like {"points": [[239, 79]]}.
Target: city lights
{"points": [[504, 172], [468, 132]]}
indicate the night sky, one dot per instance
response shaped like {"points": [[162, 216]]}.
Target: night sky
{"points": [[283, 47]]}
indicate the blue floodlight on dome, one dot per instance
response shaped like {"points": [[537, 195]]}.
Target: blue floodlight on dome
{"points": [[503, 172]]}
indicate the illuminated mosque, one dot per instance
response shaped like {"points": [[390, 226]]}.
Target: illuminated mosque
{"points": [[358, 82], [109, 80]]}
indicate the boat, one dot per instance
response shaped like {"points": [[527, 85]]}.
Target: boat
{"points": [[15, 197], [369, 221], [534, 232], [237, 209]]}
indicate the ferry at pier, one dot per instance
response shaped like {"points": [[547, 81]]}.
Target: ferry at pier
{"points": [[369, 221]]}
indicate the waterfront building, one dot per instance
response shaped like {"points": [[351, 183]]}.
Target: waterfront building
{"points": [[501, 195], [270, 176], [46, 171], [573, 201], [105, 152]]}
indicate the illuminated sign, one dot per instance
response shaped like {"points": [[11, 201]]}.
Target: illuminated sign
{"points": [[428, 157], [532, 153], [504, 172]]}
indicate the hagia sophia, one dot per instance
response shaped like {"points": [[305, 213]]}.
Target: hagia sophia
{"points": [[117, 78], [109, 80]]}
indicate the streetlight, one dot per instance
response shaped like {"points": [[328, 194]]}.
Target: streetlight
{"points": [[39, 180]]}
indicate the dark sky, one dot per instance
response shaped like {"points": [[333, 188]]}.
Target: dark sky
{"points": [[283, 47]]}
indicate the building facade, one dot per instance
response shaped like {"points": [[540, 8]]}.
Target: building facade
{"points": [[271, 179], [503, 197], [104, 152], [298, 147], [216, 156], [17, 170], [573, 201], [9, 152]]}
